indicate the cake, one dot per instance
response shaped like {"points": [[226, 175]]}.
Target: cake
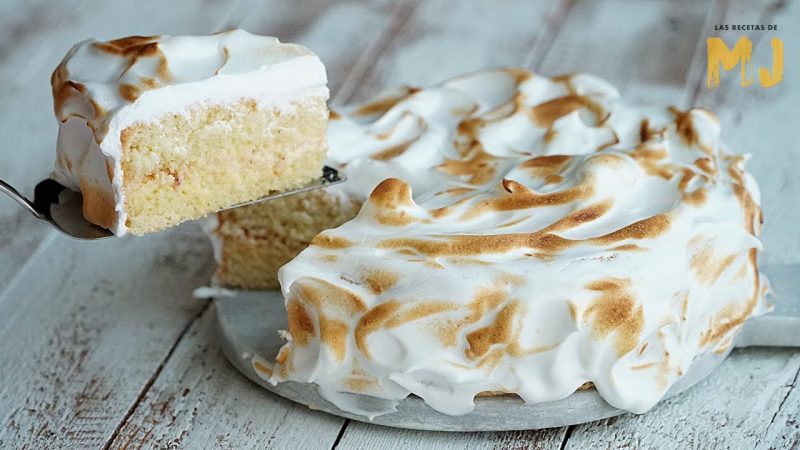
{"points": [[162, 129], [570, 238]]}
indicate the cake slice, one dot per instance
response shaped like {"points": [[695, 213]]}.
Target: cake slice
{"points": [[162, 129]]}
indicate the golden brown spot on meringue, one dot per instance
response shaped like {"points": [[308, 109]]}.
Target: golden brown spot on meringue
{"points": [[328, 258], [645, 366], [706, 267], [752, 212], [627, 248], [616, 311], [379, 281], [686, 178], [649, 157], [226, 54], [521, 197], [479, 166], [359, 384], [706, 164], [553, 179], [696, 198], [125, 46], [573, 311], [486, 299], [300, 325], [499, 332], [456, 191], [545, 114], [546, 165], [391, 193], [325, 240], [129, 92], [581, 216], [392, 152], [642, 349], [644, 229], [262, 369], [333, 115], [333, 333], [381, 105], [471, 245], [388, 315], [328, 296]]}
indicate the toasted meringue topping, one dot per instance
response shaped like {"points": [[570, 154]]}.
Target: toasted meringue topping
{"points": [[527, 235]]}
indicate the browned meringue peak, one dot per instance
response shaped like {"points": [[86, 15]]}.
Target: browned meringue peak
{"points": [[529, 235]]}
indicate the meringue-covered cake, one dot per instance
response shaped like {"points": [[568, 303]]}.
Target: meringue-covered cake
{"points": [[537, 234], [161, 129]]}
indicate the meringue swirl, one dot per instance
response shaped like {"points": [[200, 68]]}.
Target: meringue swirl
{"points": [[524, 235]]}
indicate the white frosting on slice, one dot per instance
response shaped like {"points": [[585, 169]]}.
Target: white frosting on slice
{"points": [[526, 235], [101, 88]]}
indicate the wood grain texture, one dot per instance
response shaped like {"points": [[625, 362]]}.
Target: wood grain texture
{"points": [[363, 436], [85, 341], [200, 401], [646, 49], [444, 38]]}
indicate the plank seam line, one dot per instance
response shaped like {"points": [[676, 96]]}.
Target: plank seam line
{"points": [[33, 258], [397, 18], [547, 36], [792, 385], [341, 434], [149, 384], [567, 435]]}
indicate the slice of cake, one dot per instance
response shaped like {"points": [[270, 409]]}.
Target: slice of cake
{"points": [[162, 129], [572, 239]]}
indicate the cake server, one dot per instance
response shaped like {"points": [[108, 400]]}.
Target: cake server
{"points": [[62, 208], [248, 324]]}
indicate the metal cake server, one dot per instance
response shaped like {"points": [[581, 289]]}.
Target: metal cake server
{"points": [[248, 325], [62, 208]]}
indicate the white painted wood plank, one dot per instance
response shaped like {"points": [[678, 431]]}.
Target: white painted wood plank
{"points": [[338, 32], [85, 328], [733, 408], [644, 48], [444, 38], [220, 407], [199, 400], [363, 436]]}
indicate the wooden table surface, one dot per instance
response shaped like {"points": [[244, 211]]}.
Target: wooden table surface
{"points": [[103, 344]]}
